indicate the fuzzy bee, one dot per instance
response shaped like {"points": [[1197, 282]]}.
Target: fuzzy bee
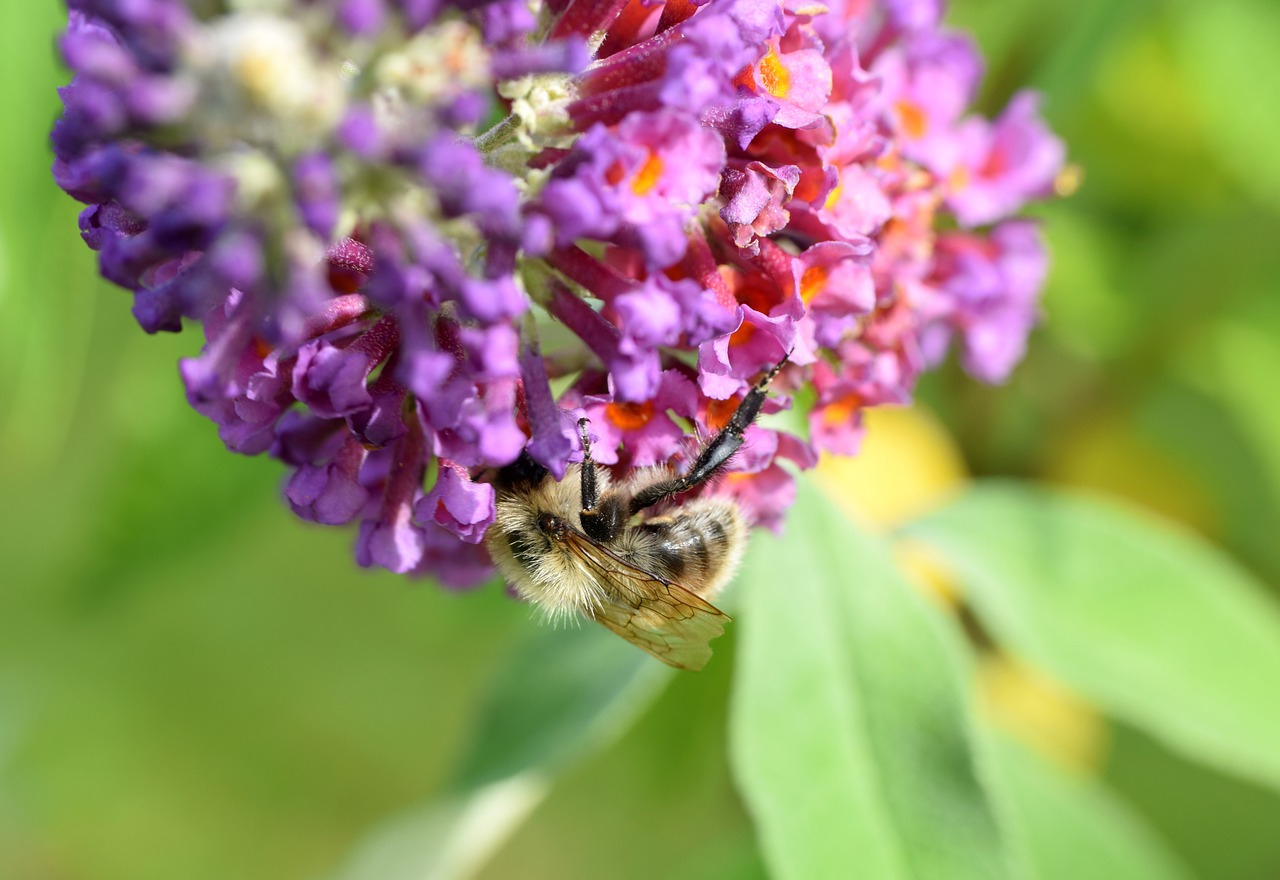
{"points": [[586, 545]]}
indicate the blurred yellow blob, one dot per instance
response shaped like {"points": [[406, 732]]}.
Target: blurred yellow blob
{"points": [[908, 464], [1109, 453], [922, 566], [1068, 181], [1041, 712]]}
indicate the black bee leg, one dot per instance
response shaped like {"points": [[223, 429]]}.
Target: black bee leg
{"points": [[603, 519], [716, 454], [590, 490]]}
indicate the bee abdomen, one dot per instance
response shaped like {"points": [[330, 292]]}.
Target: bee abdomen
{"points": [[692, 548]]}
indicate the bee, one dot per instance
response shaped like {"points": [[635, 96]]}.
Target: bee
{"points": [[587, 546]]}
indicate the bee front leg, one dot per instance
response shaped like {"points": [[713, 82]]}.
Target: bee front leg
{"points": [[716, 454], [603, 519], [590, 488]]}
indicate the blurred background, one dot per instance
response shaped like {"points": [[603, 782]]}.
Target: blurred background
{"points": [[194, 684]]}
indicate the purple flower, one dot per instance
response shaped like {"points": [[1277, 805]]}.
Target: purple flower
{"points": [[486, 433], [330, 492], [836, 284], [455, 564], [680, 196], [331, 379], [929, 84], [457, 503], [1004, 165], [639, 183], [994, 283], [729, 363], [754, 198], [317, 193], [648, 318], [392, 539], [553, 439]]}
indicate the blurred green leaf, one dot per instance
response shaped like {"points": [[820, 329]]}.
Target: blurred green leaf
{"points": [[565, 692], [657, 803], [1093, 316], [1207, 441], [1072, 828], [1149, 622], [450, 839], [1228, 50], [1236, 364], [849, 731], [562, 695], [1221, 826]]}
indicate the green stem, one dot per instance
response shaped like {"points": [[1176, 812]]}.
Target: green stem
{"points": [[502, 133]]}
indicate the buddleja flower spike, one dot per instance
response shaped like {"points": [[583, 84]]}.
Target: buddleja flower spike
{"points": [[401, 223]]}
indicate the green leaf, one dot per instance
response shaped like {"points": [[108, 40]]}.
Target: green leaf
{"points": [[450, 839], [561, 696], [564, 692], [1223, 827], [850, 733], [1150, 623], [1072, 828]]}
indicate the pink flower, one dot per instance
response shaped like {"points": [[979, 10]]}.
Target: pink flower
{"points": [[1003, 165], [644, 432]]}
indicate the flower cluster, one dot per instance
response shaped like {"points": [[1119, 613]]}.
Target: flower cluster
{"points": [[403, 223]]}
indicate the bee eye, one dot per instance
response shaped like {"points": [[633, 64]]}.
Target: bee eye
{"points": [[551, 525]]}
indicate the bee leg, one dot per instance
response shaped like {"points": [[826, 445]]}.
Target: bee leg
{"points": [[603, 519], [590, 489], [716, 454]]}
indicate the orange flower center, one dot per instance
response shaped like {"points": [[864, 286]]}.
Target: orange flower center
{"points": [[841, 411], [774, 75], [630, 416], [720, 411], [914, 122], [648, 175], [812, 283], [743, 334], [261, 347], [833, 197]]}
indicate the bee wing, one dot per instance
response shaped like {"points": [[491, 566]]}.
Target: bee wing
{"points": [[652, 613]]}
